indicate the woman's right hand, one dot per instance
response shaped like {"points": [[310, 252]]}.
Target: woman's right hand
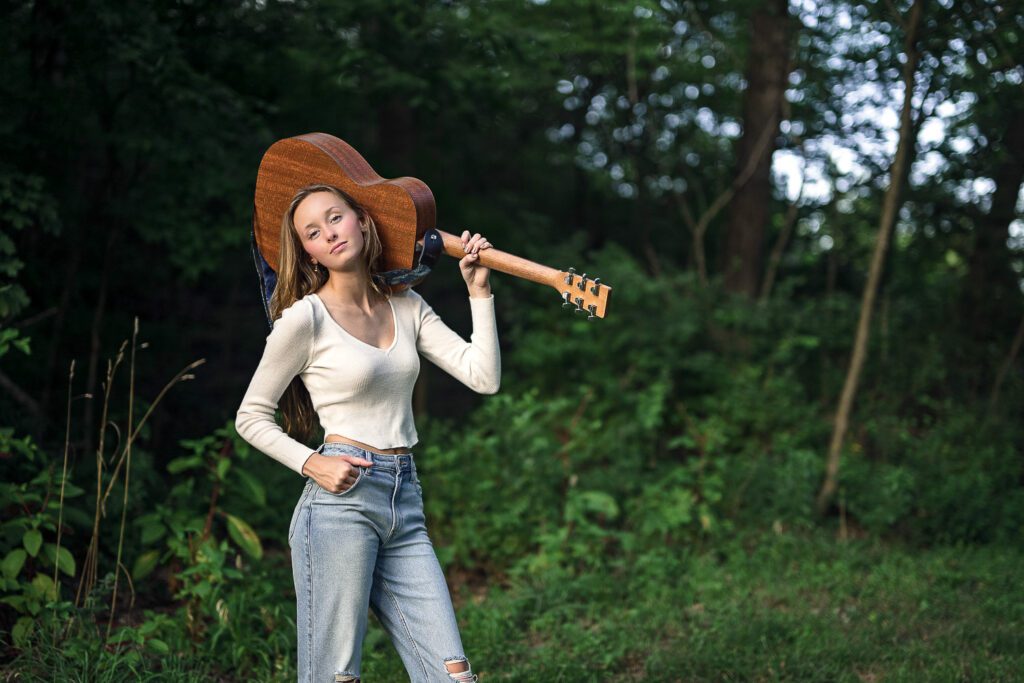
{"points": [[334, 473]]}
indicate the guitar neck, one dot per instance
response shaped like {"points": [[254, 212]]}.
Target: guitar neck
{"points": [[504, 262], [584, 295]]}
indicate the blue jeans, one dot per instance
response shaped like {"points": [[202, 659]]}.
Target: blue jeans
{"points": [[367, 547]]}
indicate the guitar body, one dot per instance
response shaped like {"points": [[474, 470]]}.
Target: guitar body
{"points": [[403, 208]]}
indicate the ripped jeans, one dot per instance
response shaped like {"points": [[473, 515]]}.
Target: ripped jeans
{"points": [[367, 547]]}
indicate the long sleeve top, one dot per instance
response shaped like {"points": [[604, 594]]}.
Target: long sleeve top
{"points": [[358, 390]]}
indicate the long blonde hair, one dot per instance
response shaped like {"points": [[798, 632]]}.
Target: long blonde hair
{"points": [[296, 278]]}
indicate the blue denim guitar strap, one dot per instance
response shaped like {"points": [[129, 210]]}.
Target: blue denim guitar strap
{"points": [[426, 257], [268, 279]]}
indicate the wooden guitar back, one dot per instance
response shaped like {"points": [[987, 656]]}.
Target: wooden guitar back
{"points": [[403, 208]]}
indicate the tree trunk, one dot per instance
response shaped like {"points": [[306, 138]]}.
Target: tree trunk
{"points": [[780, 247], [639, 220], [991, 299], [890, 206], [767, 73], [1004, 369]]}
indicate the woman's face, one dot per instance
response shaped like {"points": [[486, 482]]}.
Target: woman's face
{"points": [[329, 230]]}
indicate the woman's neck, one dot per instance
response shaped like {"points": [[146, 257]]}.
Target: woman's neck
{"points": [[349, 289]]}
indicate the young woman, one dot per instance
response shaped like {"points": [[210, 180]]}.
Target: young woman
{"points": [[343, 352]]}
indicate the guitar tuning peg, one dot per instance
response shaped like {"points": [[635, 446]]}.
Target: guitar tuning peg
{"points": [[565, 300], [582, 284], [597, 286], [593, 311], [579, 306], [569, 274]]}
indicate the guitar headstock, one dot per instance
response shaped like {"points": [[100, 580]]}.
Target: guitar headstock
{"points": [[582, 294]]}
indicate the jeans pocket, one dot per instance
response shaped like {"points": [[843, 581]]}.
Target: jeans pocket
{"points": [[291, 525], [296, 511], [359, 478]]}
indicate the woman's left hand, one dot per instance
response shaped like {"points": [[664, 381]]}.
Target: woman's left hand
{"points": [[476, 275]]}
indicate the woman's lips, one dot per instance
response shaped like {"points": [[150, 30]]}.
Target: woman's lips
{"points": [[338, 246]]}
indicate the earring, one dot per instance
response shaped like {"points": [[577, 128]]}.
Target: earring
{"points": [[316, 267]]}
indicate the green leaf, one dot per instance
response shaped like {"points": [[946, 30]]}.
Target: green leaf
{"points": [[187, 462], [599, 502], [21, 629], [13, 563], [45, 587], [148, 627], [63, 559], [124, 634], [32, 540], [203, 589], [223, 465], [244, 536], [251, 487], [15, 601], [70, 490], [239, 445], [76, 517], [158, 646], [145, 563], [152, 531]]}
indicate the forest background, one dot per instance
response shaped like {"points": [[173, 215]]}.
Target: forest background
{"points": [[792, 451]]}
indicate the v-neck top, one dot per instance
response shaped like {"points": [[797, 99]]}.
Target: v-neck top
{"points": [[328, 316], [358, 390]]}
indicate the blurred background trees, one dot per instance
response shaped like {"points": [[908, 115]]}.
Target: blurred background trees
{"points": [[723, 165]]}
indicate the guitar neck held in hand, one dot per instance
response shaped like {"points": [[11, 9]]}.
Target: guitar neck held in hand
{"points": [[588, 296]]}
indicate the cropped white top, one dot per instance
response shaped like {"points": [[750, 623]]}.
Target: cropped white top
{"points": [[358, 390]]}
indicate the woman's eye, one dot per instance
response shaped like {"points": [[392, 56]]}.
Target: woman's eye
{"points": [[313, 234], [335, 217]]}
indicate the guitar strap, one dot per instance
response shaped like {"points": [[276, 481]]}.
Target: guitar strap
{"points": [[426, 257], [268, 279]]}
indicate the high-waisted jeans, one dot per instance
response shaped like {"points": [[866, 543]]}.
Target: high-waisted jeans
{"points": [[367, 547]]}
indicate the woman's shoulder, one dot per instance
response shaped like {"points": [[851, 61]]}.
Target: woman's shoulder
{"points": [[300, 307], [407, 297], [409, 304], [298, 316]]}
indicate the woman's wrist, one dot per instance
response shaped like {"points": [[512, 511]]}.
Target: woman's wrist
{"points": [[305, 466], [480, 292]]}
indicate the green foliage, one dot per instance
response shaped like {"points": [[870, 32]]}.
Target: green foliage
{"points": [[220, 597], [607, 514], [23, 204], [611, 439], [951, 482], [597, 454], [31, 559]]}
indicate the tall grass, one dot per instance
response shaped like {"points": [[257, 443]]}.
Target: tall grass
{"points": [[106, 479]]}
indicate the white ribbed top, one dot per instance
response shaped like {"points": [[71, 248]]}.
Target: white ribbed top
{"points": [[358, 390]]}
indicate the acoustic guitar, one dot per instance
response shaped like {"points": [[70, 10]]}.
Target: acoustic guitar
{"points": [[405, 214]]}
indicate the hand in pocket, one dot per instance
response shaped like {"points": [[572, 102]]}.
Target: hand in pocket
{"points": [[334, 473]]}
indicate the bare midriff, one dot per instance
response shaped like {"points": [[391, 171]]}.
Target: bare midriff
{"points": [[337, 438]]}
